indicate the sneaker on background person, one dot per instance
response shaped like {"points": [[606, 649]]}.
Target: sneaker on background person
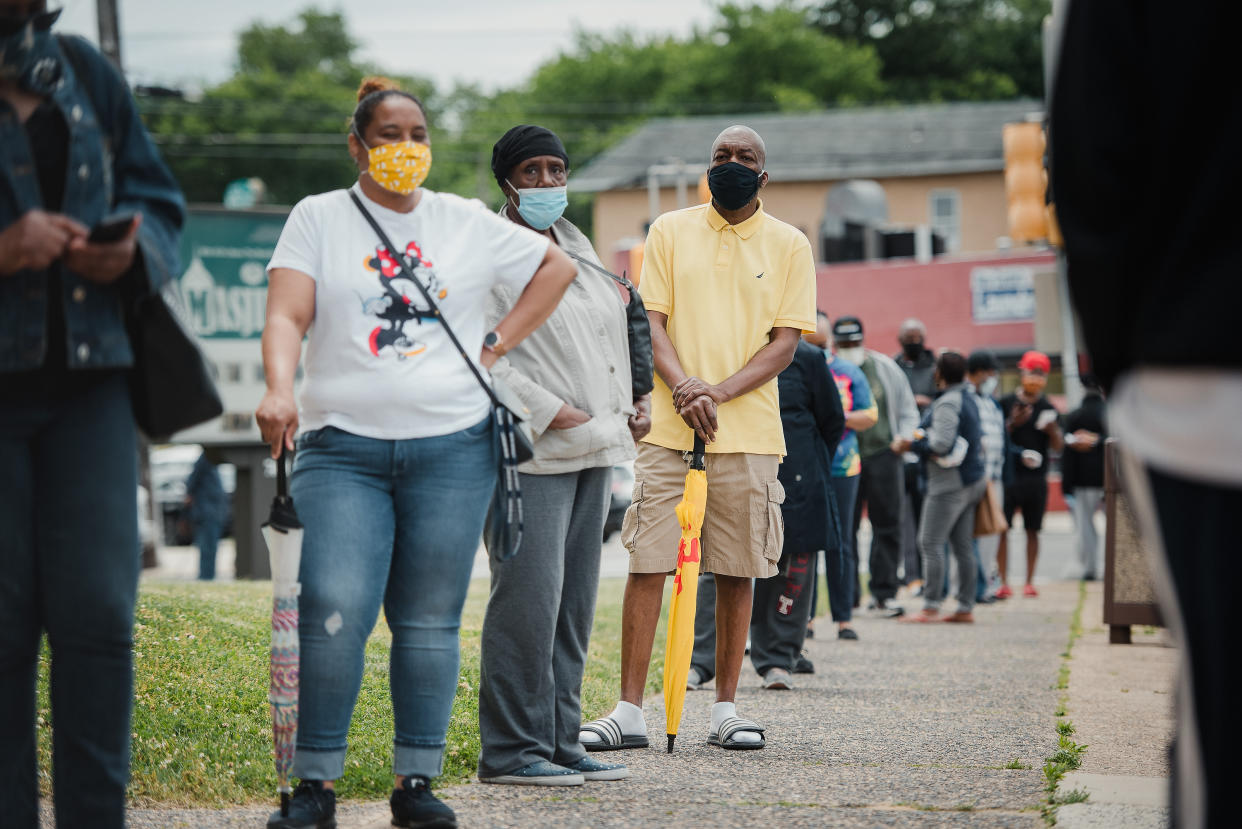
{"points": [[313, 806], [415, 807]]}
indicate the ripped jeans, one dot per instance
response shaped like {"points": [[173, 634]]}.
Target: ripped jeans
{"points": [[395, 522]]}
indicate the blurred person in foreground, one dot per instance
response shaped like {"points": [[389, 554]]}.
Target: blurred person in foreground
{"points": [[573, 374], [396, 458], [813, 420], [207, 505], [729, 290], [918, 363], [74, 153], [982, 372], [1032, 429], [950, 438], [882, 482], [1154, 263], [1082, 472]]}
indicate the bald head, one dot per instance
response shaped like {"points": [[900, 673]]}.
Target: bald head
{"points": [[739, 141]]}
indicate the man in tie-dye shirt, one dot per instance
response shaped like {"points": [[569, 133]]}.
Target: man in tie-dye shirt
{"points": [[861, 413]]}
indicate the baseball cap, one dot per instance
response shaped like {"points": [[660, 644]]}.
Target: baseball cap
{"points": [[982, 360], [1035, 361], [847, 329]]}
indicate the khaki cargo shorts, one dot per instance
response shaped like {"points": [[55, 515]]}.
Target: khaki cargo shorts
{"points": [[742, 532]]}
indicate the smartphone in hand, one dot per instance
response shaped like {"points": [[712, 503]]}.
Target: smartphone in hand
{"points": [[112, 229]]}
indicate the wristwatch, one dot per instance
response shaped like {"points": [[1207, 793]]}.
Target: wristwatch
{"points": [[494, 343]]}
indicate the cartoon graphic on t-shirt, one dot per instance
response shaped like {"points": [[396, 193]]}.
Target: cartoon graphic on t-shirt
{"points": [[401, 301]]}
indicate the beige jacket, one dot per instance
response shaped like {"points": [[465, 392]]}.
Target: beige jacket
{"points": [[580, 356]]}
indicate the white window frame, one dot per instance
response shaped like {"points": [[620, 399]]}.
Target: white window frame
{"points": [[950, 230]]}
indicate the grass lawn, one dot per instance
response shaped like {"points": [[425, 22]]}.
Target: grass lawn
{"points": [[202, 729]]}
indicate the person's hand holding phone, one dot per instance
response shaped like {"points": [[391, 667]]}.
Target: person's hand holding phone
{"points": [[1021, 414], [104, 262], [36, 240]]}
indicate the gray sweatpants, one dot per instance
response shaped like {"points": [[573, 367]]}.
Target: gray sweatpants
{"points": [[1084, 505], [949, 516], [538, 625]]}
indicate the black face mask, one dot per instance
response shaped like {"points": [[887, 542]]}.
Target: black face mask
{"points": [[11, 25], [733, 185], [912, 350]]}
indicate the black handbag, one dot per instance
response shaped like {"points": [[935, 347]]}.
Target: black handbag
{"points": [[513, 435], [170, 385], [638, 327]]}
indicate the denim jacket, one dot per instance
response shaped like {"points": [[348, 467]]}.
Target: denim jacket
{"points": [[112, 167]]}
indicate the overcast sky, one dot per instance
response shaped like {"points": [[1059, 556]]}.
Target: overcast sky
{"points": [[491, 42]]}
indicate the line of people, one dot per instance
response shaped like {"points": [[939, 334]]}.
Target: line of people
{"points": [[397, 449]]}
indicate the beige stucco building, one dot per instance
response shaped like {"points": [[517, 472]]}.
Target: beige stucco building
{"points": [[939, 165]]}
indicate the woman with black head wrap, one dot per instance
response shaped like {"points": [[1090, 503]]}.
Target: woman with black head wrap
{"points": [[574, 376]]}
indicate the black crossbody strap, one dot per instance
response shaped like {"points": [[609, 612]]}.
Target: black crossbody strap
{"points": [[400, 258], [620, 280]]}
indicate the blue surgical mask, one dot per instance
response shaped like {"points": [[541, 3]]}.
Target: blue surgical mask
{"points": [[540, 207]]}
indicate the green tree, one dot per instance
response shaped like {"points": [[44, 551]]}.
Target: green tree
{"points": [[281, 117], [749, 59], [934, 50]]}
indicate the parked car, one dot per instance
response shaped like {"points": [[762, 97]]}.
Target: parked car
{"points": [[170, 467], [622, 492]]}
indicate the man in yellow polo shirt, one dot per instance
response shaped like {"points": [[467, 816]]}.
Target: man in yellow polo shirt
{"points": [[729, 291]]}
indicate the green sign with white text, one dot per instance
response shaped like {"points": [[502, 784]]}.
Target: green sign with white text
{"points": [[224, 254]]}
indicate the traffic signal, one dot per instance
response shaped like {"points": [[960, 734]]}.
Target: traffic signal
{"points": [[1026, 181]]}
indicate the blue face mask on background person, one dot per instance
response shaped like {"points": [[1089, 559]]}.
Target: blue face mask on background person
{"points": [[540, 207], [28, 53]]}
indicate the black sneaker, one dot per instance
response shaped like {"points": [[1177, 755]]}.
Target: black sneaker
{"points": [[415, 807], [311, 807], [802, 665], [848, 633]]}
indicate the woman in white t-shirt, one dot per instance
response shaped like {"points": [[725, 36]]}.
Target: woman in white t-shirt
{"points": [[396, 457]]}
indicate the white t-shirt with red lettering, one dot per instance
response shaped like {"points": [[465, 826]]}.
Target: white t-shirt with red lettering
{"points": [[377, 363]]}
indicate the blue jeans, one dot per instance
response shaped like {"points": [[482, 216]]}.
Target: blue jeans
{"points": [[395, 522], [207, 539], [841, 566], [69, 566], [981, 577]]}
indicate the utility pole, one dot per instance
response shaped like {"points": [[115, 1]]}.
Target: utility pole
{"points": [[676, 168], [109, 31]]}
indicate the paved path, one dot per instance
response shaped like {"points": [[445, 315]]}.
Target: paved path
{"points": [[908, 727], [1120, 701], [911, 726]]}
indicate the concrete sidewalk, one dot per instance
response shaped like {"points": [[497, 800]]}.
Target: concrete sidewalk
{"points": [[1121, 703], [913, 725]]}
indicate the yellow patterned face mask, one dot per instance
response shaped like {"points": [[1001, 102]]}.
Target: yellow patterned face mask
{"points": [[399, 167]]}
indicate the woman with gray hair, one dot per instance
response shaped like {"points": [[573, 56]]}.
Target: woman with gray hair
{"points": [[573, 374]]}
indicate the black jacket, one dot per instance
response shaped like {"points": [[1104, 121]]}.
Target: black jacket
{"points": [[814, 421], [1146, 172], [1084, 468]]}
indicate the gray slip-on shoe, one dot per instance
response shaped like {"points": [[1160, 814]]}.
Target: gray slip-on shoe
{"points": [[540, 773], [592, 769]]}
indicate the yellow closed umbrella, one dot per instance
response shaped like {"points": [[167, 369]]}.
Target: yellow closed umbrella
{"points": [[680, 645]]}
